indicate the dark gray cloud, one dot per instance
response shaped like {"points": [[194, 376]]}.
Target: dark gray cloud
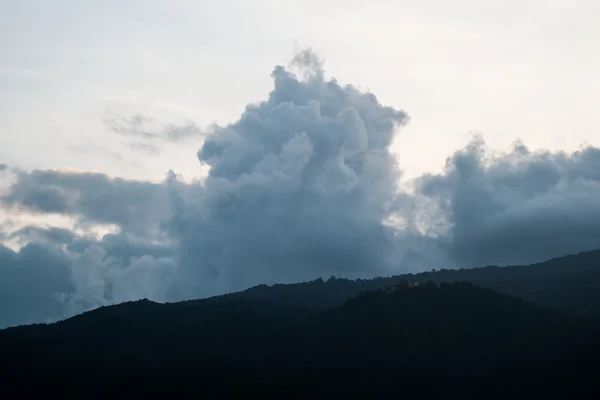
{"points": [[58, 273], [144, 127], [519, 207], [301, 185], [29, 282], [135, 206], [45, 199], [120, 245], [3, 167], [38, 234], [124, 247]]}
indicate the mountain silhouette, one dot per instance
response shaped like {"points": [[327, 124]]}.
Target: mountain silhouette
{"points": [[448, 340], [567, 284]]}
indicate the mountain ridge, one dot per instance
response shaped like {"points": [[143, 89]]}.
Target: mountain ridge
{"points": [[449, 332], [430, 334], [517, 280]]}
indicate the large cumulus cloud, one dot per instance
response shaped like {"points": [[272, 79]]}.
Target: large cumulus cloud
{"points": [[301, 185]]}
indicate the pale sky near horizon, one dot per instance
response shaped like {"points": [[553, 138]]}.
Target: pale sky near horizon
{"points": [[506, 69]]}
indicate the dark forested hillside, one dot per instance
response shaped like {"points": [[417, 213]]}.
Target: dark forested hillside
{"points": [[568, 284], [430, 334], [448, 340]]}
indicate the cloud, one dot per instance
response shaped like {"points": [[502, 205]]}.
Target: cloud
{"points": [[94, 148], [176, 133], [148, 128], [29, 280], [135, 206], [125, 246], [3, 167], [301, 185], [99, 279], [136, 125], [146, 148], [520, 207], [38, 234], [58, 274], [295, 184]]}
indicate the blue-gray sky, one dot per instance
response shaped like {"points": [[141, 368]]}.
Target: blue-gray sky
{"points": [[175, 149]]}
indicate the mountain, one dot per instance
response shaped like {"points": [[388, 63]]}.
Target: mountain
{"points": [[445, 340], [569, 284]]}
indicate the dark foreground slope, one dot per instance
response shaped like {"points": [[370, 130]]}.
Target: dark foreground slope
{"points": [[569, 284], [452, 340]]}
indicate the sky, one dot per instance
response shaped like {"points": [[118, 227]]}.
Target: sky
{"points": [[180, 149]]}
